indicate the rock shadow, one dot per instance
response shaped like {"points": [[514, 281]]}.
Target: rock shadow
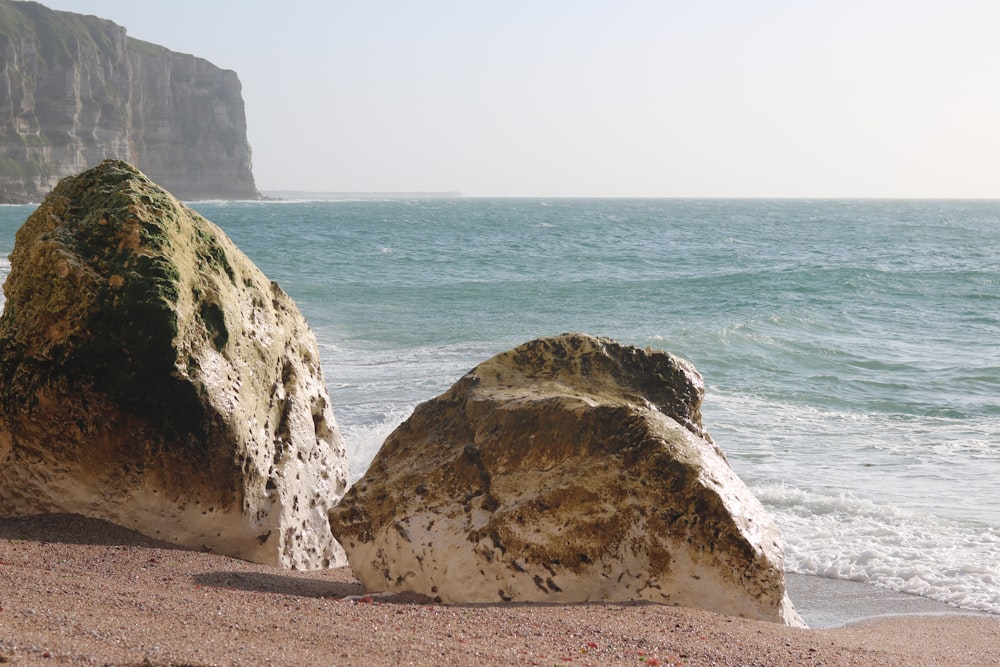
{"points": [[309, 587], [280, 584], [76, 529]]}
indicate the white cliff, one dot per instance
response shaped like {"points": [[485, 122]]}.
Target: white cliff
{"points": [[76, 89]]}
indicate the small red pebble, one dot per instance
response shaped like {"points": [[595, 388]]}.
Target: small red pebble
{"points": [[46, 655]]}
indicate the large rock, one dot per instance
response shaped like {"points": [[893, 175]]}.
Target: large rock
{"points": [[152, 376], [76, 89], [568, 469]]}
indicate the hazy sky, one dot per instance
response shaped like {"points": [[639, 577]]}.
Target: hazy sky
{"points": [[658, 98]]}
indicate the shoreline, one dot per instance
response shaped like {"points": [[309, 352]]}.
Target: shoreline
{"points": [[833, 603], [77, 591]]}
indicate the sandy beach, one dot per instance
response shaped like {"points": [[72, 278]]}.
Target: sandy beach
{"points": [[77, 591]]}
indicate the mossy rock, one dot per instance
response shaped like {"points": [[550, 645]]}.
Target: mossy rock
{"points": [[152, 376], [99, 256]]}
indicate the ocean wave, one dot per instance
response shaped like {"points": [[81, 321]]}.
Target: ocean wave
{"points": [[363, 441], [4, 271], [846, 537], [919, 462]]}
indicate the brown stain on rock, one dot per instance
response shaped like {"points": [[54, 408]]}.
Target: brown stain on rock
{"points": [[570, 468]]}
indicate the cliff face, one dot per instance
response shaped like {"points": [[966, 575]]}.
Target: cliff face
{"points": [[76, 89]]}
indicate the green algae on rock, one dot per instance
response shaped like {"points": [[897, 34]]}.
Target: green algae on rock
{"points": [[151, 375]]}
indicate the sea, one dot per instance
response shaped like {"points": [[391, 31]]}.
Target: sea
{"points": [[850, 348]]}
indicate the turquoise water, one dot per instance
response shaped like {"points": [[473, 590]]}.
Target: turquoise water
{"points": [[850, 348]]}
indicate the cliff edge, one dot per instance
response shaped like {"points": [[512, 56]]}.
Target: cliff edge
{"points": [[76, 89]]}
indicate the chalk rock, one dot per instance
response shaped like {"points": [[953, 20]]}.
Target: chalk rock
{"points": [[152, 376], [75, 89], [568, 469]]}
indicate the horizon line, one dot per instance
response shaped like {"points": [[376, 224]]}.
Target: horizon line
{"points": [[456, 194]]}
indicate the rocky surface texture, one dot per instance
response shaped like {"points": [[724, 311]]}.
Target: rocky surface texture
{"points": [[568, 469], [152, 376], [76, 89]]}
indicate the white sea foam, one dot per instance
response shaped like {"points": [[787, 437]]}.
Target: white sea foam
{"points": [[918, 462], [845, 537], [364, 440], [4, 270]]}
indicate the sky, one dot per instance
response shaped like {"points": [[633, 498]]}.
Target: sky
{"points": [[620, 98]]}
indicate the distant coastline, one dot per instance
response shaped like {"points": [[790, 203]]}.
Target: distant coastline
{"points": [[335, 196]]}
